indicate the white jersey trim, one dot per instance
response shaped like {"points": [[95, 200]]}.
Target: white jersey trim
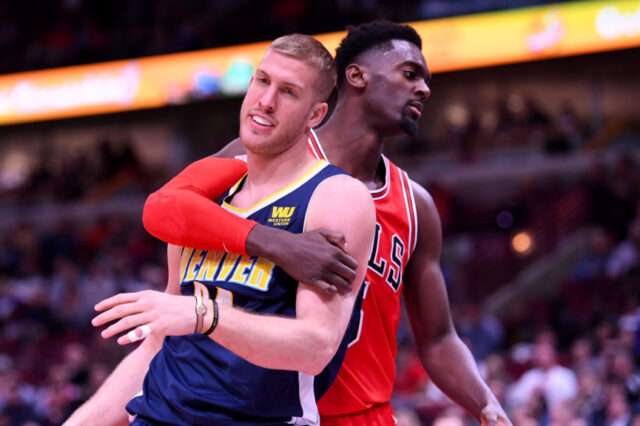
{"points": [[319, 153], [310, 415], [380, 193], [244, 213], [414, 241], [407, 204]]}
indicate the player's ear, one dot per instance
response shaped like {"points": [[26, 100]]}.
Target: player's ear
{"points": [[318, 112], [356, 76]]}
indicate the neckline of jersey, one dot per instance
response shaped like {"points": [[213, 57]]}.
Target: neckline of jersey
{"points": [[314, 170], [318, 150]]}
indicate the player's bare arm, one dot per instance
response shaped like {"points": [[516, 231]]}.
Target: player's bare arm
{"points": [[107, 405], [308, 342], [182, 212], [305, 343], [445, 357]]}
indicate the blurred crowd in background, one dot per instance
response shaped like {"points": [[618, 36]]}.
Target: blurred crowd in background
{"points": [[96, 173], [110, 164], [70, 32], [50, 358], [567, 356]]}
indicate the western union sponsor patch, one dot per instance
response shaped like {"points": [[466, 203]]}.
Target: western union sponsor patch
{"points": [[281, 216]]}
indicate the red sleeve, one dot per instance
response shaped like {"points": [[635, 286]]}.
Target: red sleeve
{"points": [[182, 211]]}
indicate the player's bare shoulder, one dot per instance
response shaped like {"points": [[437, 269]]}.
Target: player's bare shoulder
{"points": [[429, 244], [343, 196], [425, 206]]}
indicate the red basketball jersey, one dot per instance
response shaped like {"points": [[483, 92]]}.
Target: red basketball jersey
{"points": [[368, 372]]}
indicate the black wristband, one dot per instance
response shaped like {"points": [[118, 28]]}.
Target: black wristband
{"points": [[214, 319]]}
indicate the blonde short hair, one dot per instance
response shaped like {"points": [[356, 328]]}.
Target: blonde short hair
{"points": [[313, 53]]}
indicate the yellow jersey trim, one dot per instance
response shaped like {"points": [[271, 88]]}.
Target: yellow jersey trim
{"points": [[321, 164]]}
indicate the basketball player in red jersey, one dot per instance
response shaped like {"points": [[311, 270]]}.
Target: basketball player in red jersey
{"points": [[382, 83]]}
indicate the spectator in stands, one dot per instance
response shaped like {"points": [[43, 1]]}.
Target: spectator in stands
{"points": [[562, 414], [14, 410], [592, 266], [624, 373], [407, 417], [482, 331], [582, 356], [568, 125], [410, 375], [449, 420], [525, 415], [618, 412], [548, 379], [625, 257], [590, 400]]}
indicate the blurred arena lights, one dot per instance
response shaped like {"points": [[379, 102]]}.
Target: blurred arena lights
{"points": [[463, 42], [504, 219], [523, 243]]}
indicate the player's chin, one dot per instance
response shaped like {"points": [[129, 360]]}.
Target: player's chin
{"points": [[409, 126]]}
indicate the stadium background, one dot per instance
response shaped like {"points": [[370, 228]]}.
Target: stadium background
{"points": [[533, 166]]}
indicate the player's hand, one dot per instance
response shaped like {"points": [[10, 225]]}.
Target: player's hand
{"points": [[493, 415], [320, 258], [316, 258], [144, 313]]}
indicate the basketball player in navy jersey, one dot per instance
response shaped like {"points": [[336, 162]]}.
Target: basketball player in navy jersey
{"points": [[251, 347], [382, 82]]}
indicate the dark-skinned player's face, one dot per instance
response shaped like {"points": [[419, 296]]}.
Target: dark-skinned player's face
{"points": [[398, 86]]}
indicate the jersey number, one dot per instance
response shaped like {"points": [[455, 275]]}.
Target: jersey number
{"points": [[223, 297]]}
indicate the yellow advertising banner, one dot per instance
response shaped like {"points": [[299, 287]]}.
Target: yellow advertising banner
{"points": [[529, 34], [449, 44], [127, 85]]}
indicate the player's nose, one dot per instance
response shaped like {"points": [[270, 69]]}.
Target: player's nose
{"points": [[268, 101], [422, 90]]}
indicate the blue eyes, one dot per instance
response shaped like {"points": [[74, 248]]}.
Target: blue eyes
{"points": [[265, 82]]}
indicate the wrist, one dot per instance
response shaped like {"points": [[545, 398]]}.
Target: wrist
{"points": [[211, 319], [260, 242]]}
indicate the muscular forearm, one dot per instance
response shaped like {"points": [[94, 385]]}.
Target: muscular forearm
{"points": [[107, 405], [278, 342], [305, 343], [452, 368]]}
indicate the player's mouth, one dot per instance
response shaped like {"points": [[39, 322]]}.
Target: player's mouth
{"points": [[415, 109], [261, 121]]}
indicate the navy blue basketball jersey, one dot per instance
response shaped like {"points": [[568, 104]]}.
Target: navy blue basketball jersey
{"points": [[194, 380]]}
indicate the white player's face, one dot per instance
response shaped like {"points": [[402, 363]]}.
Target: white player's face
{"points": [[279, 105], [399, 86]]}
